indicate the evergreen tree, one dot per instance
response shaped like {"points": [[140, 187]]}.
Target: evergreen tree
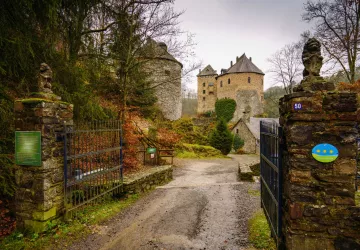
{"points": [[221, 138]]}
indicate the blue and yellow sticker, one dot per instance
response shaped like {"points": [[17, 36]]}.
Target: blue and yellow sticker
{"points": [[325, 153]]}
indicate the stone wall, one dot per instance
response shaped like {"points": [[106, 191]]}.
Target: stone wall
{"points": [[39, 196], [249, 140], [319, 198], [166, 78], [248, 105], [206, 101], [147, 180]]}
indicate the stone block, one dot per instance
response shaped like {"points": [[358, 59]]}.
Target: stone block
{"points": [[45, 215], [296, 211], [297, 176], [302, 242], [345, 166]]}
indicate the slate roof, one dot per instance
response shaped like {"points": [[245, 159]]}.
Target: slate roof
{"points": [[207, 71], [244, 65]]}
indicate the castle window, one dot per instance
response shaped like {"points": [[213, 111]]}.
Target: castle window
{"points": [[203, 84], [249, 79], [167, 72], [229, 81], [221, 84], [204, 98], [211, 84], [211, 93], [237, 131], [204, 91]]}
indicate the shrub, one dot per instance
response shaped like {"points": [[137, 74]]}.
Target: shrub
{"points": [[196, 151], [238, 143], [225, 108], [221, 138]]}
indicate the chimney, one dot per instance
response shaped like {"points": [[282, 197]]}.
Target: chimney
{"points": [[231, 64], [250, 59], [237, 59]]}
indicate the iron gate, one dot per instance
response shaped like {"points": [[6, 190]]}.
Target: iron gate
{"points": [[92, 162], [271, 177]]}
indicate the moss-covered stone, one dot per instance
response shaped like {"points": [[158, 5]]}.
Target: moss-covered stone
{"points": [[46, 215]]}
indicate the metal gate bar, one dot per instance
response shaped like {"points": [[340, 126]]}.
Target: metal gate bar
{"points": [[92, 162], [271, 176]]}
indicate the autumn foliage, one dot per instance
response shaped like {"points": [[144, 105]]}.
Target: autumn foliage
{"points": [[7, 222], [343, 86]]}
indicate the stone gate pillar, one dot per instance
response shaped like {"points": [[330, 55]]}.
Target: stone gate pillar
{"points": [[319, 198], [39, 195]]}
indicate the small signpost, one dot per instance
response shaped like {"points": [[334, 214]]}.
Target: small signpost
{"points": [[28, 148], [152, 152], [325, 153]]}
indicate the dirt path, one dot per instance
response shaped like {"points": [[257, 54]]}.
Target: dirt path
{"points": [[204, 207]]}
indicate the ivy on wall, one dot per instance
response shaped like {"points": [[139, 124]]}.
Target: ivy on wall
{"points": [[225, 108]]}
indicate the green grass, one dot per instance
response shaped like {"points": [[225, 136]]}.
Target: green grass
{"points": [[63, 234], [254, 192], [259, 232]]}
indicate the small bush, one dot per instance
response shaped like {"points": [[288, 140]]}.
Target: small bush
{"points": [[221, 138], [225, 108], [196, 151], [238, 143]]}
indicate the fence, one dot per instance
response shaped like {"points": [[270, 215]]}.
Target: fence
{"points": [[92, 162], [271, 177]]}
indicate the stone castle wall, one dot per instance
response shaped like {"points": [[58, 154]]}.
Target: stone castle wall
{"points": [[206, 101], [166, 76]]}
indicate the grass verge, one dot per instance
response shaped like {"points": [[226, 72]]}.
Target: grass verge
{"points": [[259, 232], [63, 234]]}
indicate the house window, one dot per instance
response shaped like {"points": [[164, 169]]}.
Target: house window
{"points": [[203, 84], [204, 91], [221, 84], [237, 131], [249, 79], [229, 81], [204, 98], [167, 72]]}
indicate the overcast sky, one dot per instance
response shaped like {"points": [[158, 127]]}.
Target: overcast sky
{"points": [[225, 29]]}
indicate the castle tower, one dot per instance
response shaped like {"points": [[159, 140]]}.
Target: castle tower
{"points": [[243, 82], [165, 74], [207, 89]]}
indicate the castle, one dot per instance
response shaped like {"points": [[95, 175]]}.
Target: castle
{"points": [[243, 82]]}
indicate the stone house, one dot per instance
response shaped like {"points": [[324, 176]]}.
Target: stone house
{"points": [[243, 82], [249, 131], [165, 74]]}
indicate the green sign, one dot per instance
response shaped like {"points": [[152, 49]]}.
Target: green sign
{"points": [[151, 150], [28, 148]]}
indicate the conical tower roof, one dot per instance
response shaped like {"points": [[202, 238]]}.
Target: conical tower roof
{"points": [[244, 65], [207, 71]]}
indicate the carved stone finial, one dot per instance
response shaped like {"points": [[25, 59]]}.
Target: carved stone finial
{"points": [[312, 58], [313, 62], [45, 78]]}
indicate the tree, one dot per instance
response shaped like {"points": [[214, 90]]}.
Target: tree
{"points": [[272, 96], [286, 66], [238, 142], [337, 28], [221, 138], [225, 108]]}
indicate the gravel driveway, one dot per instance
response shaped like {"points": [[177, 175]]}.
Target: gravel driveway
{"points": [[204, 207]]}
